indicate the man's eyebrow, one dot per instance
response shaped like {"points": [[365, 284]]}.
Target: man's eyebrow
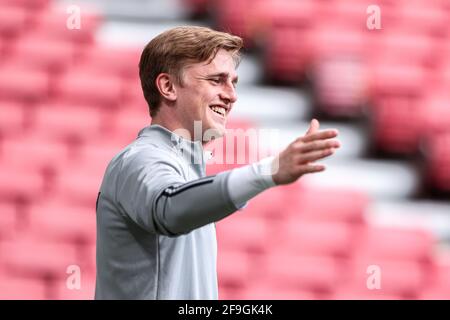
{"points": [[224, 75]]}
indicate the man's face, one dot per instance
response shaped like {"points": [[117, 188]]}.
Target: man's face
{"points": [[207, 94]]}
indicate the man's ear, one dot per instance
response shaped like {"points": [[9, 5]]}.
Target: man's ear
{"points": [[165, 84]]}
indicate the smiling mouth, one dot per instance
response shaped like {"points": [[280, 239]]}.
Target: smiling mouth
{"points": [[219, 110]]}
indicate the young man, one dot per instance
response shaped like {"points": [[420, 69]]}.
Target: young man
{"points": [[156, 210]]}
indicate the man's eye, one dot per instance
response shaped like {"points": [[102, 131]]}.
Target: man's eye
{"points": [[216, 81]]}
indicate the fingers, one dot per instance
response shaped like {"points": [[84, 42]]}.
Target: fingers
{"points": [[315, 155], [320, 135], [313, 126], [319, 145], [311, 168]]}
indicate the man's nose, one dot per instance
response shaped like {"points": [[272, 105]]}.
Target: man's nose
{"points": [[228, 94]]}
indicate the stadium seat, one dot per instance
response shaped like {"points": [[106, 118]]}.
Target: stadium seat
{"points": [[27, 256], [86, 290], [397, 124], [36, 52], [63, 120], [54, 23], [247, 233], [12, 117], [8, 220], [18, 288], [316, 273], [267, 292], [60, 222], [12, 79], [86, 87], [395, 243], [234, 268], [17, 183], [341, 204], [317, 237], [116, 61], [437, 173], [13, 20], [396, 278]]}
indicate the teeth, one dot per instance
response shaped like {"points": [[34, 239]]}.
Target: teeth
{"points": [[219, 110]]}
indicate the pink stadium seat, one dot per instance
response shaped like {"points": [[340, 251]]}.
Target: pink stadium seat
{"points": [[13, 20], [265, 292], [247, 233], [53, 23], [316, 237], [85, 292], [405, 279], [116, 61], [79, 186], [19, 183], [340, 86], [22, 288], [67, 120], [33, 152], [327, 204], [286, 58], [316, 273], [397, 124], [37, 52], [8, 220], [86, 87], [26, 4], [234, 16], [438, 287], [28, 256], [437, 172], [395, 243], [23, 84], [234, 268], [58, 222], [12, 117]]}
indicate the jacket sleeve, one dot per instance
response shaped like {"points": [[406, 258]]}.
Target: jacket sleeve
{"points": [[158, 199]]}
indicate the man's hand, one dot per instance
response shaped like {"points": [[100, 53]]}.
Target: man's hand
{"points": [[299, 157]]}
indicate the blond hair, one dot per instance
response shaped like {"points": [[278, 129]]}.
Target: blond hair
{"points": [[174, 49]]}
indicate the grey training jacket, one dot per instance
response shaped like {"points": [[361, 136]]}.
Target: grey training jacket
{"points": [[156, 236]]}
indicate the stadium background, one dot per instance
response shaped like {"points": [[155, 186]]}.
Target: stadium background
{"points": [[70, 99]]}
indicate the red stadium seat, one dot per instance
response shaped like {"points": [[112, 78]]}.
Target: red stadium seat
{"points": [[115, 61], [234, 268], [86, 290], [243, 232], [90, 88], [28, 256], [8, 220], [405, 279], [340, 86], [79, 186], [22, 288], [33, 153], [37, 52], [328, 204], [58, 222], [317, 237], [437, 169], [19, 183], [12, 117], [316, 273], [53, 23], [23, 84], [395, 243], [13, 20], [265, 292], [397, 124], [67, 120]]}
